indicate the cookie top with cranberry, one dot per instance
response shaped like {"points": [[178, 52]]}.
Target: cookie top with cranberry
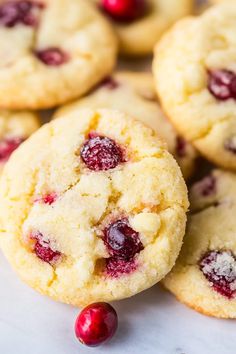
{"points": [[204, 276], [140, 23], [134, 93], [15, 128], [51, 51], [195, 75], [92, 208]]}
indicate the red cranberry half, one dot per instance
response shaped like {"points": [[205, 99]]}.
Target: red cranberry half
{"points": [[100, 153], [15, 12], [124, 10], [222, 84], [52, 56], [96, 324], [219, 268], [122, 241], [43, 249], [7, 147]]}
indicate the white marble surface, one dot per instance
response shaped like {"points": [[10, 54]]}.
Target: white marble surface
{"points": [[152, 322]]}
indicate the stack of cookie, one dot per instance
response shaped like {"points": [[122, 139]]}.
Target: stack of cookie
{"points": [[93, 205]]}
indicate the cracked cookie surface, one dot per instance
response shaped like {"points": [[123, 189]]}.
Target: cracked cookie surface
{"points": [[204, 276], [58, 54], [134, 94], [155, 17], [15, 128], [195, 73], [97, 212]]}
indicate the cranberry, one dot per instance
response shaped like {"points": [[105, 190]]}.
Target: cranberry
{"points": [[101, 153], [121, 240], [96, 324], [43, 249], [181, 145], [124, 10], [15, 12], [230, 144], [110, 83], [117, 267], [52, 56], [219, 268], [7, 147], [207, 186], [222, 84], [47, 198]]}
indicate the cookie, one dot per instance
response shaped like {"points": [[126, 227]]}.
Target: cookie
{"points": [[195, 72], [140, 23], [204, 276], [58, 54], [15, 128], [97, 211], [134, 93]]}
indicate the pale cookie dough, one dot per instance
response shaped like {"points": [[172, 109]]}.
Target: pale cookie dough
{"points": [[15, 128], [52, 51], [134, 93], [92, 208], [138, 36], [204, 276], [195, 76]]}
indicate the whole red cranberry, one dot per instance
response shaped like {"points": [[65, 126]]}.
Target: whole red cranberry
{"points": [[100, 153], [219, 268], [121, 240], [52, 56], [96, 324], [222, 84], [7, 146], [124, 10], [43, 249]]}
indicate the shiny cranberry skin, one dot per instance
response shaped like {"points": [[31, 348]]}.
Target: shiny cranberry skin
{"points": [[43, 249], [219, 268], [15, 12], [121, 240], [7, 147], [52, 56], [100, 153], [96, 324], [124, 10], [222, 84]]}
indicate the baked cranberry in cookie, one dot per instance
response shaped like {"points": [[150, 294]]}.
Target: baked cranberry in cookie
{"points": [[204, 276], [58, 54], [134, 93], [102, 208], [15, 128], [195, 77]]}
